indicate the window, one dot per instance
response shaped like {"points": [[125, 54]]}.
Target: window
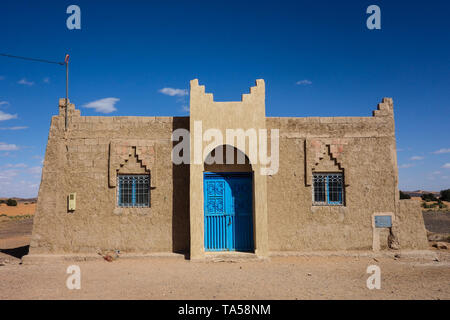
{"points": [[328, 188], [133, 190]]}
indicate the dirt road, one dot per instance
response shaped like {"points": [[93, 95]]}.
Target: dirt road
{"points": [[278, 278], [169, 278], [437, 221], [14, 237]]}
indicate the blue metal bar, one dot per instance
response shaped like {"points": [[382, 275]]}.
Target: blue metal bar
{"points": [[119, 187], [133, 193]]}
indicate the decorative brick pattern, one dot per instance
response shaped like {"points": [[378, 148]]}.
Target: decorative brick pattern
{"points": [[121, 150], [318, 149]]}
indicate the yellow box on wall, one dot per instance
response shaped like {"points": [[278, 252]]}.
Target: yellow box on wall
{"points": [[72, 201]]}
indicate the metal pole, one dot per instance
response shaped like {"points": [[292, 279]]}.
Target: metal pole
{"points": [[67, 90]]}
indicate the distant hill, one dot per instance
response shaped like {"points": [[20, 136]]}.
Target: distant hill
{"points": [[419, 193], [22, 200]]}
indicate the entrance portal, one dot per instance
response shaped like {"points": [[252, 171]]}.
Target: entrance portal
{"points": [[228, 207]]}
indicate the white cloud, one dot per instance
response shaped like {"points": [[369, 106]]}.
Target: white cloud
{"points": [[406, 165], [46, 80], [415, 158], [174, 92], [17, 165], [5, 103], [185, 108], [35, 170], [41, 159], [303, 82], [8, 147], [13, 128], [25, 82], [11, 187], [8, 174], [443, 150], [7, 116], [18, 180], [446, 166], [105, 105]]}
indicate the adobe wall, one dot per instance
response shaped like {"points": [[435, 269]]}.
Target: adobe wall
{"points": [[84, 159], [411, 228]]}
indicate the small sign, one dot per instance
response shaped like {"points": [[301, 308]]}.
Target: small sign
{"points": [[383, 221]]}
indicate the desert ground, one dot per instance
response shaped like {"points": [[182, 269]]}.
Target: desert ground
{"points": [[22, 209], [403, 276], [276, 278]]}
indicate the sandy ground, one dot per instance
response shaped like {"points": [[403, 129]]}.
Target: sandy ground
{"points": [[277, 278], [170, 278], [14, 233], [20, 209], [437, 221]]}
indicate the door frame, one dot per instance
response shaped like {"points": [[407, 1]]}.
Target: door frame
{"points": [[224, 175]]}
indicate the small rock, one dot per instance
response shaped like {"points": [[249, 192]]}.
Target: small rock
{"points": [[393, 242], [309, 274], [436, 259], [441, 245]]}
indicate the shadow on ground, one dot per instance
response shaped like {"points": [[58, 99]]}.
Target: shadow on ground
{"points": [[18, 252]]}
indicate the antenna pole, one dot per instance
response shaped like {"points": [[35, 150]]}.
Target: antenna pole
{"points": [[67, 88]]}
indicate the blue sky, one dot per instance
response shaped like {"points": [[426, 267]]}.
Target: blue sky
{"points": [[317, 58]]}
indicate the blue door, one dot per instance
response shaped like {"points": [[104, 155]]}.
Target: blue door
{"points": [[228, 207]]}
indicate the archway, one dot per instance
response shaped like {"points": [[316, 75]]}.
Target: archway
{"points": [[228, 201]]}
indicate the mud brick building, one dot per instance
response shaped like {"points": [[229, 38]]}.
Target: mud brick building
{"points": [[110, 183]]}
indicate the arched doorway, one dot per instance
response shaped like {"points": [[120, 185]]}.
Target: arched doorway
{"points": [[228, 201]]}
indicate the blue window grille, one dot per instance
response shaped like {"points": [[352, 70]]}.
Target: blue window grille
{"points": [[328, 188], [133, 190]]}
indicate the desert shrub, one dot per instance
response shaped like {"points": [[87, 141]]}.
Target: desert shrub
{"points": [[404, 195], [11, 202], [21, 217], [445, 195], [429, 206], [429, 197]]}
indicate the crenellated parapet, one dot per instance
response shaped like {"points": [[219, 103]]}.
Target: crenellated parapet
{"points": [[385, 108], [71, 111], [198, 94], [257, 91]]}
